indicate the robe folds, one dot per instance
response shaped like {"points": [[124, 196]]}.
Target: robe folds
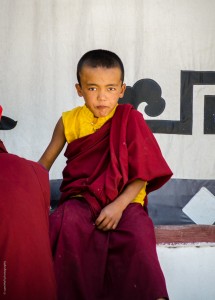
{"points": [[91, 264], [101, 165], [26, 267]]}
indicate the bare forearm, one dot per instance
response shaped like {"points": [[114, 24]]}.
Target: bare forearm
{"points": [[112, 213], [46, 160], [54, 148], [130, 192]]}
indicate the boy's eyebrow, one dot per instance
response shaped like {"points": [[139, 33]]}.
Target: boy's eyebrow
{"points": [[110, 84]]}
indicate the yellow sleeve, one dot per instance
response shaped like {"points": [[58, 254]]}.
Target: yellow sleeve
{"points": [[70, 121], [141, 196]]}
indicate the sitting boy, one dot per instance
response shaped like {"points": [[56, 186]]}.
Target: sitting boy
{"points": [[102, 238]]}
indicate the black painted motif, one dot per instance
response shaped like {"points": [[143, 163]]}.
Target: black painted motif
{"points": [[149, 91]]}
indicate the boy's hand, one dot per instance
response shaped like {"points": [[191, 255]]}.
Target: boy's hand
{"points": [[111, 214], [109, 217]]}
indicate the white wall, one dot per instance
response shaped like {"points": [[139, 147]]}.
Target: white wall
{"points": [[42, 40], [189, 270]]}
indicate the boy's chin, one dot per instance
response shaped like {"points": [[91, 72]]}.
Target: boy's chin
{"points": [[102, 112]]}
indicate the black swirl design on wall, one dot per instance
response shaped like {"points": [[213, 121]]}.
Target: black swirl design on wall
{"points": [[149, 91]]}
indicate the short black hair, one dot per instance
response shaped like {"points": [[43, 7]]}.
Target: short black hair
{"points": [[100, 58]]}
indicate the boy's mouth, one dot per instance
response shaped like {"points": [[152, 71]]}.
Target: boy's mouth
{"points": [[102, 110], [101, 106]]}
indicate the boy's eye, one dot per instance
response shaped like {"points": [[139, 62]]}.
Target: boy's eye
{"points": [[111, 89], [92, 89]]}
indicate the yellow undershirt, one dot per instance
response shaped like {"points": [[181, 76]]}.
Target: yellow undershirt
{"points": [[80, 122]]}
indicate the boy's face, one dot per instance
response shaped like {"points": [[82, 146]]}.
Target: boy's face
{"points": [[101, 89]]}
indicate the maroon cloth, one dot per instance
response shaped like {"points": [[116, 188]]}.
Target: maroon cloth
{"points": [[100, 165], [91, 264], [26, 267], [122, 264]]}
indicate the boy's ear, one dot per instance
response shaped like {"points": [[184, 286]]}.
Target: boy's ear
{"points": [[123, 88], [78, 89]]}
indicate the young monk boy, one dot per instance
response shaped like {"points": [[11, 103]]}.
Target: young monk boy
{"points": [[102, 239]]}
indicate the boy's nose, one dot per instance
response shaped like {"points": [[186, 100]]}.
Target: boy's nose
{"points": [[101, 96]]}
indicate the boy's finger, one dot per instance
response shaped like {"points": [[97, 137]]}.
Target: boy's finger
{"points": [[100, 219], [110, 226], [105, 225], [114, 226]]}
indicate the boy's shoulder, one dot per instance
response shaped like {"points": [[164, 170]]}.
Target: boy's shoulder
{"points": [[133, 118], [72, 114], [73, 110], [133, 112]]}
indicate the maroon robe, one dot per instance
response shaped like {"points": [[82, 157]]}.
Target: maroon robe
{"points": [[122, 264], [100, 165], [26, 268]]}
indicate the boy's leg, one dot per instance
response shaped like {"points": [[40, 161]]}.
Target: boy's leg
{"points": [[79, 252], [133, 269]]}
